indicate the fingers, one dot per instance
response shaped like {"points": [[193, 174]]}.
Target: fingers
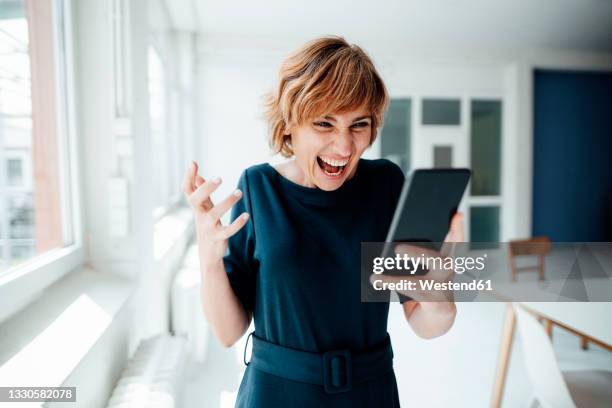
{"points": [[198, 192], [415, 290], [393, 279], [415, 251], [457, 226], [188, 179], [448, 249], [192, 180], [195, 171], [218, 210], [376, 280], [201, 196], [455, 234], [234, 227], [199, 181]]}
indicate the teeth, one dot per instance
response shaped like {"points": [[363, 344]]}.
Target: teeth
{"points": [[332, 174], [333, 162]]}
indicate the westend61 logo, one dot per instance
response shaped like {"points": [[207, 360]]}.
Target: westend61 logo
{"points": [[412, 264]]}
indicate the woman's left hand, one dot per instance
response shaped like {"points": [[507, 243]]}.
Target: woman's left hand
{"points": [[436, 275]]}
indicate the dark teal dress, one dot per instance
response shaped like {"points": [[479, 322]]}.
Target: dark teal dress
{"points": [[296, 265]]}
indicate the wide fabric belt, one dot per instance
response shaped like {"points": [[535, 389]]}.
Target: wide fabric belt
{"points": [[335, 370]]}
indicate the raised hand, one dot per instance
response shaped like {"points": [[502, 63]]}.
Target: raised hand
{"points": [[212, 235]]}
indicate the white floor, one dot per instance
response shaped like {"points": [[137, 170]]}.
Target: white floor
{"points": [[456, 369]]}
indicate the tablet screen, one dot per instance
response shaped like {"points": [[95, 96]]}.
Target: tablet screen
{"points": [[429, 199]]}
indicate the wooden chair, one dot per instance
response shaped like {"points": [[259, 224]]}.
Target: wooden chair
{"points": [[540, 247], [537, 246]]}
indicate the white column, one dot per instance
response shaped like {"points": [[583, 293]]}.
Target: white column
{"points": [[517, 150]]}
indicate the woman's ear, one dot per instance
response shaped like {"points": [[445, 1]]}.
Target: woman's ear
{"points": [[287, 140], [287, 135]]}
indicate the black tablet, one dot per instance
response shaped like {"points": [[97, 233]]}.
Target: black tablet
{"points": [[429, 199]]}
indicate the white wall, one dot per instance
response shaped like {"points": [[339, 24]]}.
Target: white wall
{"points": [[232, 134]]}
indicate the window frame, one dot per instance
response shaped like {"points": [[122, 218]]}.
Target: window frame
{"points": [[24, 283], [173, 96]]}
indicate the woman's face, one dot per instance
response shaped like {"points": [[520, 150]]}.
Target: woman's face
{"points": [[327, 149]]}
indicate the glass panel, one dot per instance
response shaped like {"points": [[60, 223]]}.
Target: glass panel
{"points": [[486, 147], [443, 156], [21, 252], [484, 225], [15, 127], [30, 207], [21, 216], [14, 172], [22, 232], [441, 112], [395, 135]]}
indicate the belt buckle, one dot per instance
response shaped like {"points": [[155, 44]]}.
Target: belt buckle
{"points": [[337, 371]]}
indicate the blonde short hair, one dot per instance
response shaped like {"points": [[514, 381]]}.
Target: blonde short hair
{"points": [[327, 75]]}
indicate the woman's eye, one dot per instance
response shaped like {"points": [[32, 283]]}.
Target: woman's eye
{"points": [[360, 125]]}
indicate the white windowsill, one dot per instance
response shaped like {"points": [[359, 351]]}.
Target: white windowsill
{"points": [[42, 344], [65, 314], [24, 283]]}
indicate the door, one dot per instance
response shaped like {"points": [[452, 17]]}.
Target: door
{"points": [[572, 163]]}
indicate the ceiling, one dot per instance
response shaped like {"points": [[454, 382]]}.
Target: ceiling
{"points": [[568, 24]]}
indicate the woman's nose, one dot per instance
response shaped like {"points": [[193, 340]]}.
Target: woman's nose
{"points": [[343, 142]]}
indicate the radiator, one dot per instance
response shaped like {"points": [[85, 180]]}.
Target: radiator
{"points": [[154, 375], [186, 313]]}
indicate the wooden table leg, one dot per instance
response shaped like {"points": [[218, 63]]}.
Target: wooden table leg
{"points": [[504, 356]]}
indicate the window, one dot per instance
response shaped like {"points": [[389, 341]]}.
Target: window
{"points": [[165, 99], [485, 154], [14, 172], [441, 112], [454, 130], [484, 226], [159, 141], [34, 187], [395, 135], [486, 147]]}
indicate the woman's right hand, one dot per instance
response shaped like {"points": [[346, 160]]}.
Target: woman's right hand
{"points": [[212, 235], [226, 315]]}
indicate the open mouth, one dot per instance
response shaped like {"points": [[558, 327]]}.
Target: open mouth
{"points": [[330, 167]]}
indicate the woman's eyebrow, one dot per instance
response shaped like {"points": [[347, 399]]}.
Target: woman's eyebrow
{"points": [[333, 119]]}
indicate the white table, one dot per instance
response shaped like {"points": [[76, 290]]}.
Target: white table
{"points": [[592, 321]]}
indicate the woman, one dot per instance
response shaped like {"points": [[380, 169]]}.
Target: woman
{"points": [[290, 259]]}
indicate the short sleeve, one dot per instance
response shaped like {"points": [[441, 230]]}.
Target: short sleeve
{"points": [[239, 260]]}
